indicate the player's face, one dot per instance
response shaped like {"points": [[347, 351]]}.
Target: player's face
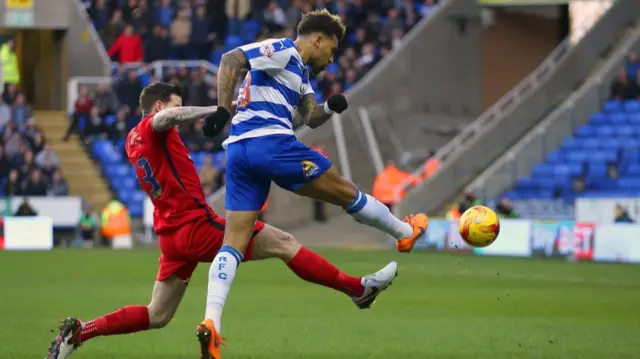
{"points": [[174, 101], [325, 48]]}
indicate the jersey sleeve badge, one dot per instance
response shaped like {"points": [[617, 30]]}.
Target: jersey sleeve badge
{"points": [[267, 50]]}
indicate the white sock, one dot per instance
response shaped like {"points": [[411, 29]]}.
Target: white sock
{"points": [[368, 210], [221, 274]]}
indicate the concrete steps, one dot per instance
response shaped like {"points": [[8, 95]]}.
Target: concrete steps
{"points": [[82, 174]]}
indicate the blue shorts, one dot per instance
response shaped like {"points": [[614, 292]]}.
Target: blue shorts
{"points": [[253, 163]]}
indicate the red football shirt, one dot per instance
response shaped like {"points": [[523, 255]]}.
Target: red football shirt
{"points": [[166, 172]]}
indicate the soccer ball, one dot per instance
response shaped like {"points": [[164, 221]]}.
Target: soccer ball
{"points": [[479, 226]]}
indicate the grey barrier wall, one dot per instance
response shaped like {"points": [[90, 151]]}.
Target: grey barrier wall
{"points": [[482, 150], [548, 136], [437, 70], [84, 51]]}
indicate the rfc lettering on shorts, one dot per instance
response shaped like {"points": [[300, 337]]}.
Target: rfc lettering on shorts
{"points": [[310, 169]]}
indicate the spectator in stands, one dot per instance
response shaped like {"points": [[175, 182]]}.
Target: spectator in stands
{"points": [[36, 185], [202, 36], [119, 129], [635, 88], [95, 126], [14, 143], [10, 93], [128, 47], [104, 100], [198, 91], [428, 8], [99, 13], [505, 209], [622, 215], [274, 17], [5, 114], [621, 86], [393, 22], [13, 186], [208, 172], [181, 29], [113, 30], [26, 166], [164, 14], [47, 154], [5, 164], [58, 186], [237, 11], [633, 65], [9, 62], [141, 19], [128, 90], [47, 169], [35, 137], [21, 112], [157, 46]]}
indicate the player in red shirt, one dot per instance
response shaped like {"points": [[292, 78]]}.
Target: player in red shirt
{"points": [[190, 232]]}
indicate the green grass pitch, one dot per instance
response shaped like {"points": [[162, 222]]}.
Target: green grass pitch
{"points": [[441, 306]]}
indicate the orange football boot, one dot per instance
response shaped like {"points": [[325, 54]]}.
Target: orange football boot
{"points": [[209, 339], [419, 223]]}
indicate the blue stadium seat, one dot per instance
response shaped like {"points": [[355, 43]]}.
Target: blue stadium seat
{"points": [[585, 131], [616, 119], [613, 106], [632, 106]]}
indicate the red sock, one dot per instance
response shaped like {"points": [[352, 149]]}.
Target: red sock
{"points": [[311, 267], [130, 319]]}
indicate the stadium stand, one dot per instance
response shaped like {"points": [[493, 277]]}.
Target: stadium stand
{"points": [[486, 140], [136, 32], [588, 147], [29, 166]]}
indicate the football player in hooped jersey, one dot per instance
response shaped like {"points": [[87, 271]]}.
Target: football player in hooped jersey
{"points": [[262, 147], [190, 232]]}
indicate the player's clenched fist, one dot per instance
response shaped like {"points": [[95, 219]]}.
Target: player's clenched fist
{"points": [[215, 122], [337, 103]]}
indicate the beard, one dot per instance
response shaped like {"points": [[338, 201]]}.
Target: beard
{"points": [[316, 68]]}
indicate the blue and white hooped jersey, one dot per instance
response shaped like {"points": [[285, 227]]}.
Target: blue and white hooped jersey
{"points": [[272, 89]]}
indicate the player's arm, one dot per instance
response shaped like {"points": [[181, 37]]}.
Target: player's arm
{"points": [[166, 119], [314, 115], [232, 66]]}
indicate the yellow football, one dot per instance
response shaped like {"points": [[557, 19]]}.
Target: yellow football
{"points": [[479, 226]]}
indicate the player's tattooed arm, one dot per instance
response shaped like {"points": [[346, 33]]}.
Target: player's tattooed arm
{"points": [[312, 114], [167, 119], [232, 67]]}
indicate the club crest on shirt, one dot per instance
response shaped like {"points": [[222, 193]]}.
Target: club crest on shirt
{"points": [[310, 169], [267, 50]]}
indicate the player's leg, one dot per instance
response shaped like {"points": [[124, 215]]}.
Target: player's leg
{"points": [[245, 195], [320, 180], [165, 299], [271, 242]]}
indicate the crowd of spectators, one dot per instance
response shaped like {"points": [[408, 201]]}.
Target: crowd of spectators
{"points": [[143, 31], [28, 164], [626, 86]]}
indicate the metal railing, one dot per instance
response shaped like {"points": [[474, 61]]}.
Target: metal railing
{"points": [[548, 135], [74, 83], [505, 104]]}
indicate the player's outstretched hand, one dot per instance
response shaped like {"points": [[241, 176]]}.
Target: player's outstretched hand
{"points": [[215, 122], [337, 103]]}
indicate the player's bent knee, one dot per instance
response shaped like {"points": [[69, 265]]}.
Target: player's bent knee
{"points": [[272, 242], [159, 317]]}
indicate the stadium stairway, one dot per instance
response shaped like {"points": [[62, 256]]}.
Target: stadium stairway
{"points": [[82, 175]]}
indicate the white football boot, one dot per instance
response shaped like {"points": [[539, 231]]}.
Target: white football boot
{"points": [[374, 284], [68, 339]]}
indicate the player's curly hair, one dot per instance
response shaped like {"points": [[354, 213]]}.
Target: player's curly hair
{"points": [[158, 91], [321, 21]]}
